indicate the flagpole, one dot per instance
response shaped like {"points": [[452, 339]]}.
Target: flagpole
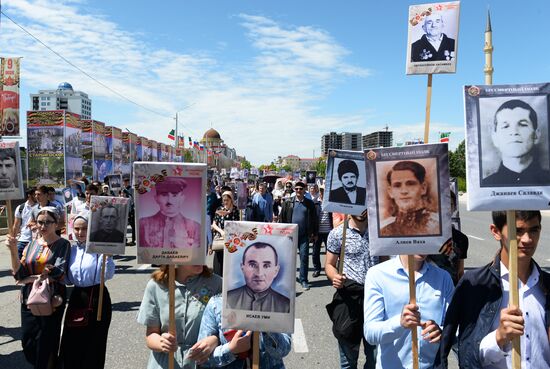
{"points": [[177, 137]]}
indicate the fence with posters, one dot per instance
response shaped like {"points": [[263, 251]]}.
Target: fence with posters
{"points": [[249, 247], [170, 212]]}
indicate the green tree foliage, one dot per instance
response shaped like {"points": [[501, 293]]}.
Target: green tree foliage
{"points": [[321, 167], [457, 164], [245, 164]]}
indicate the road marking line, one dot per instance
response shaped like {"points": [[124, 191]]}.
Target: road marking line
{"points": [[299, 337], [144, 266], [477, 238]]}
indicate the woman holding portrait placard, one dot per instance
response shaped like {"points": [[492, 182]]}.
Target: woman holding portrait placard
{"points": [[84, 339]]}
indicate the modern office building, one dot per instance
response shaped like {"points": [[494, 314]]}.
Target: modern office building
{"points": [[378, 139], [64, 98]]}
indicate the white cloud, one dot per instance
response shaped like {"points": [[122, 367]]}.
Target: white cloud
{"points": [[267, 107]]}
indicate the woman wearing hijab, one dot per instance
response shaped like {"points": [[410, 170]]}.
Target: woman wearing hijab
{"points": [[228, 211], [195, 285], [84, 340], [45, 257]]}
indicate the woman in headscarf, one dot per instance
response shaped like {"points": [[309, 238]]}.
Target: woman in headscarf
{"points": [[228, 211], [195, 285], [45, 257], [84, 340]]}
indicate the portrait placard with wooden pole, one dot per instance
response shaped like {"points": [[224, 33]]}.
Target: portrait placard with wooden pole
{"points": [[510, 214], [101, 288]]}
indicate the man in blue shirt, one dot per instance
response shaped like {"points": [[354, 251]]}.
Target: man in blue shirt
{"points": [[263, 202], [389, 317]]}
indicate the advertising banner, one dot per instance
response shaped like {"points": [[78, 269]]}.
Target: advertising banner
{"points": [[170, 213], [508, 146], [433, 38], [409, 201], [9, 96], [259, 260]]}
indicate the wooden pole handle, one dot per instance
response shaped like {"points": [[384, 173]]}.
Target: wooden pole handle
{"points": [[343, 248], [101, 287], [513, 278], [171, 309], [256, 350], [412, 300]]}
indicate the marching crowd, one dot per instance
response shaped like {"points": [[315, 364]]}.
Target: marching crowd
{"points": [[468, 314]]}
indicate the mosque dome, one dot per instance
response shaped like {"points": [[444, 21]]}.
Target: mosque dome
{"points": [[64, 86], [212, 134]]}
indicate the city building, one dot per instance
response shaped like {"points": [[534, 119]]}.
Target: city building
{"points": [[308, 163], [64, 98], [352, 141], [329, 141], [292, 161], [378, 139]]}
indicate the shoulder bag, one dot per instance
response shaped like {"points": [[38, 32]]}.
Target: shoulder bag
{"points": [[39, 301]]}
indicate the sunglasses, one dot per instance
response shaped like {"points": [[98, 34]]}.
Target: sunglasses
{"points": [[298, 188], [46, 223]]}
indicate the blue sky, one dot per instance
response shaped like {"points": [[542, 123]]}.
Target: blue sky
{"points": [[270, 76]]}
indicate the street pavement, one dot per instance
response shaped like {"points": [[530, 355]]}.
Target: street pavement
{"points": [[313, 343]]}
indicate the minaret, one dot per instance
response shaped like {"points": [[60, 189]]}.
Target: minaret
{"points": [[488, 50]]}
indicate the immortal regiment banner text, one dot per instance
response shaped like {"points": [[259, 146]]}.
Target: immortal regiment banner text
{"points": [[170, 212], [408, 199], [102, 167], [107, 225], [507, 146], [9, 96], [46, 164], [11, 180], [259, 260], [346, 182], [433, 38]]}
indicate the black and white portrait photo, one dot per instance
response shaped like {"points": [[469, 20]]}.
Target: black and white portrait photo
{"points": [[408, 198], [507, 142], [108, 222], [11, 183], [433, 32], [259, 272], [346, 182], [311, 176]]}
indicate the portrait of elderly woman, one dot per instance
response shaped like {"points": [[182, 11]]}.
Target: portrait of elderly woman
{"points": [[410, 203]]}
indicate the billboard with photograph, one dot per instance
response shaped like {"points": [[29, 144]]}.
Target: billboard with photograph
{"points": [[170, 212], [11, 172], [409, 204], [117, 150], [346, 183], [508, 146], [125, 167], [45, 137], [87, 148], [107, 225], [433, 38], [259, 261], [73, 146], [139, 148], [9, 96], [99, 150]]}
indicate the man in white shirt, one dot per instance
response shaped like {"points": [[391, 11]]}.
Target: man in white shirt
{"points": [[480, 308]]}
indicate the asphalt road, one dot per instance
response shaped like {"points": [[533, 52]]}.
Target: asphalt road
{"points": [[313, 343]]}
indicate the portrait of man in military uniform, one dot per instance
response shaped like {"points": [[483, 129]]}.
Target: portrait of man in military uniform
{"points": [[107, 229], [411, 208], [168, 228], [434, 45], [260, 268]]}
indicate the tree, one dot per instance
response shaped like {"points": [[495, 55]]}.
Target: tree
{"points": [[321, 167], [457, 163], [245, 164], [187, 156]]}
